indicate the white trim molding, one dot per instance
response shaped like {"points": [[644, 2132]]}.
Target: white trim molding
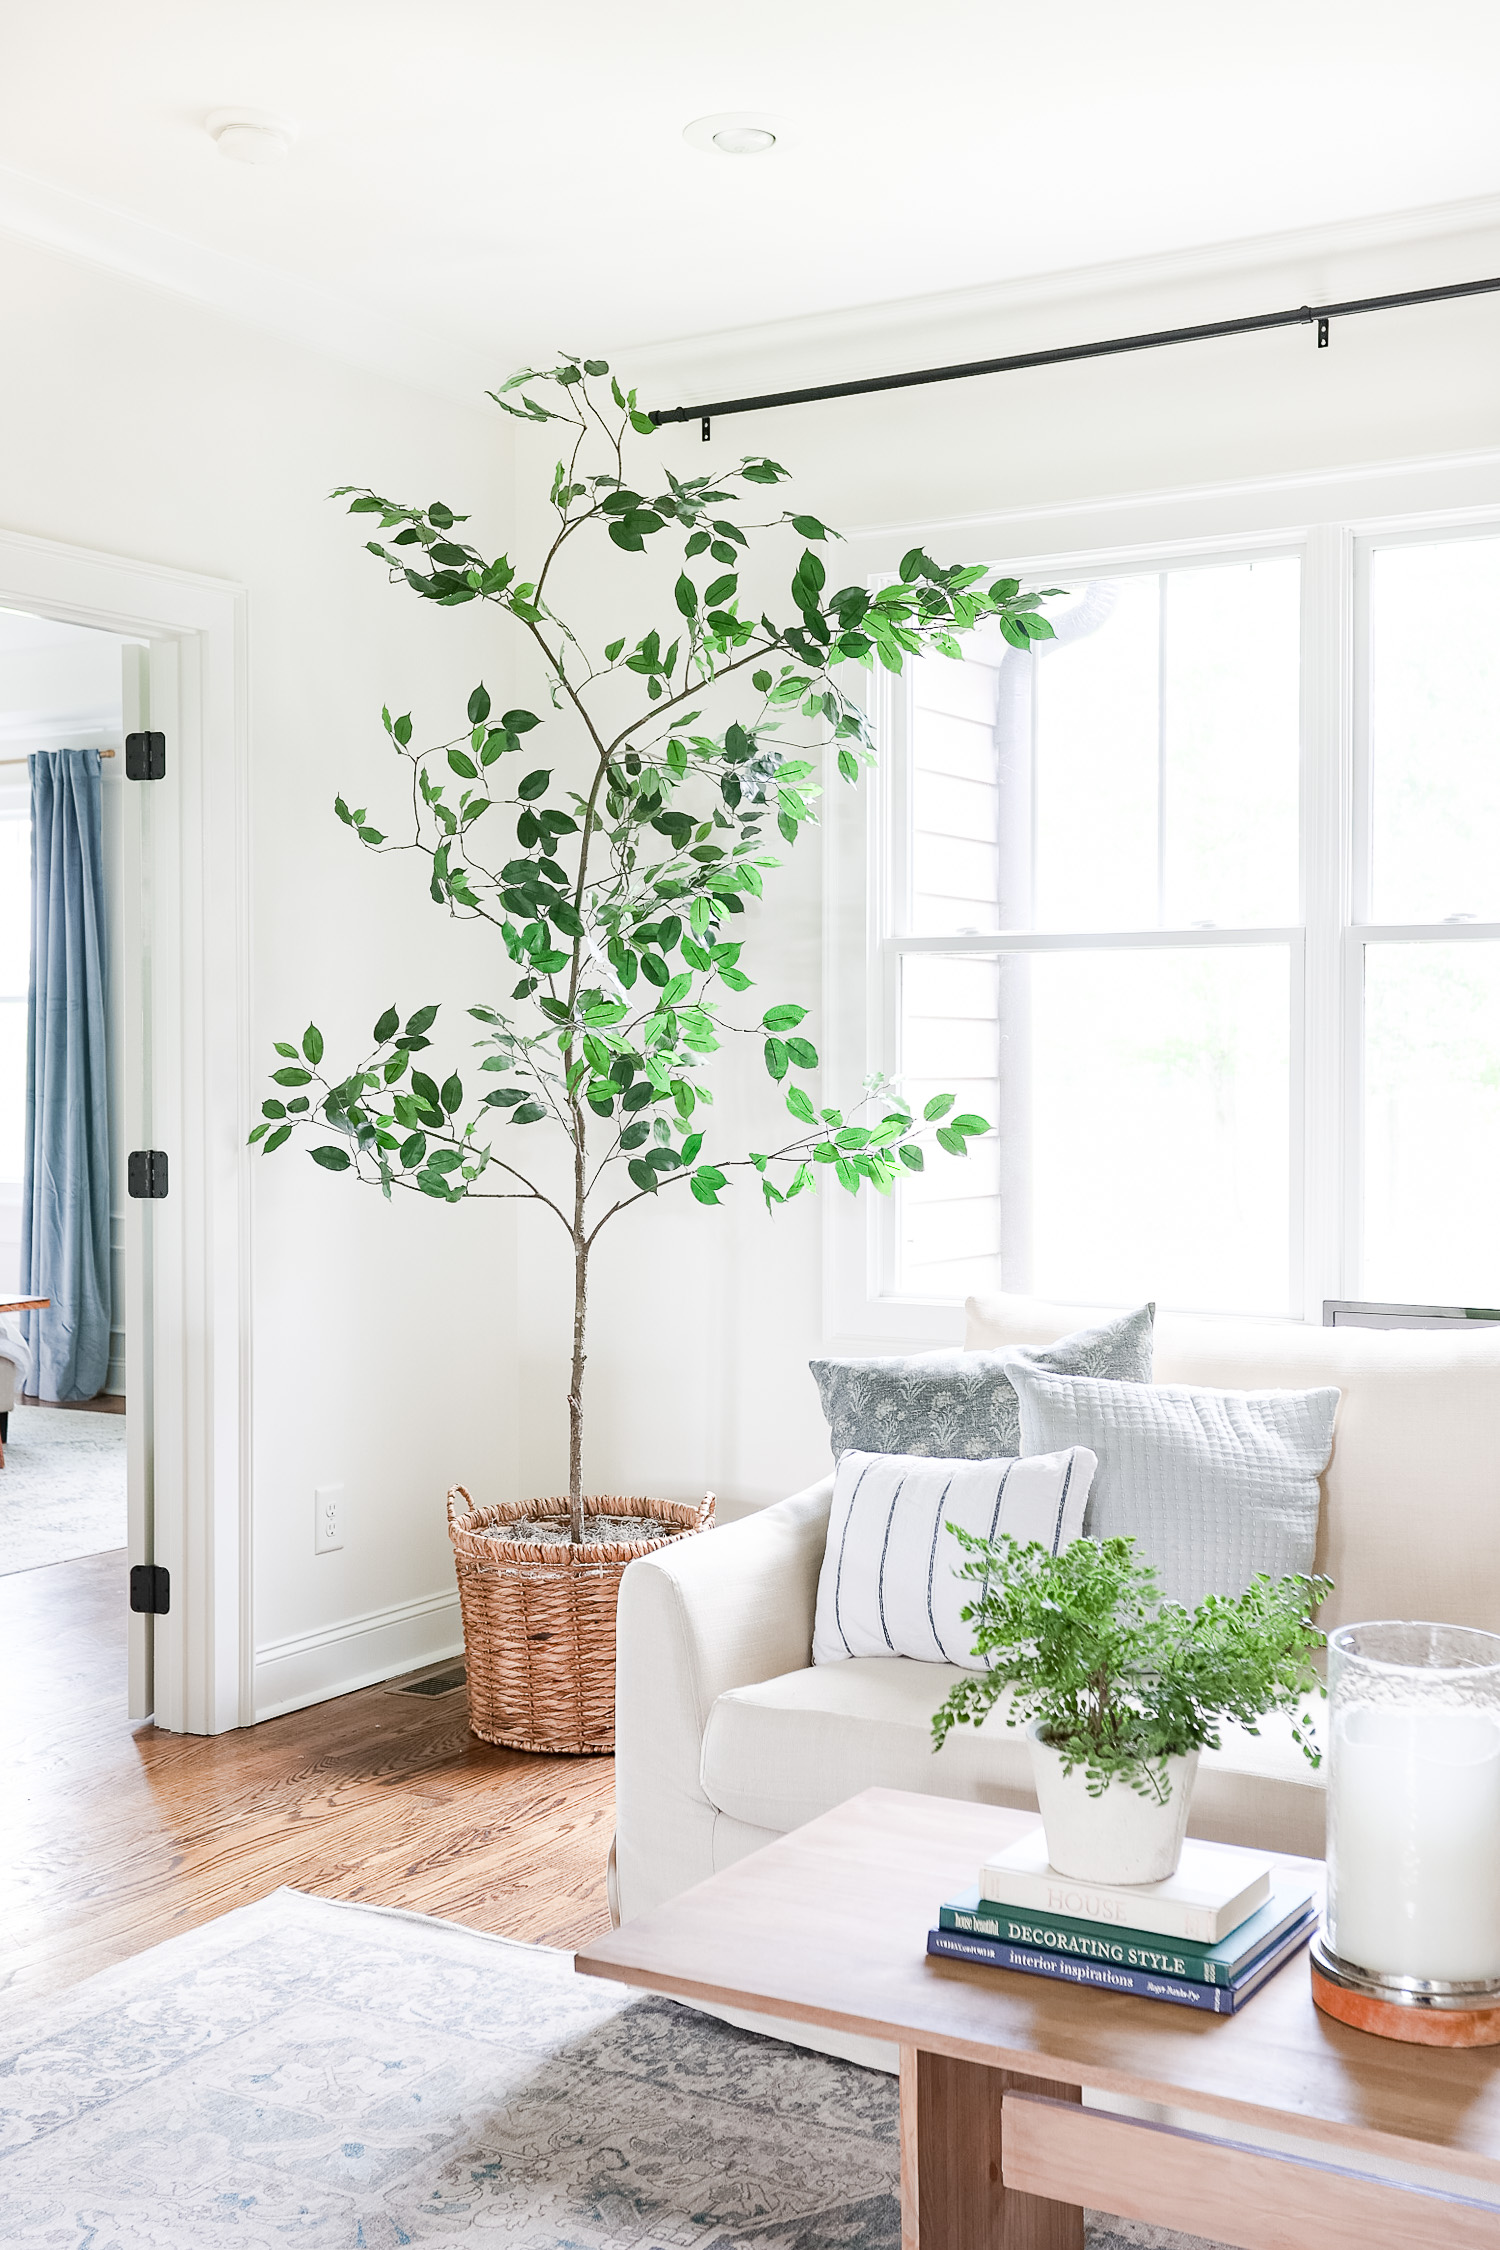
{"points": [[357, 1652], [188, 973]]}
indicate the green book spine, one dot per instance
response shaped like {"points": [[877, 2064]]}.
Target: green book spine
{"points": [[1127, 1949]]}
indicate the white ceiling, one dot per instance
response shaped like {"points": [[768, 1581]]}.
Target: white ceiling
{"points": [[514, 178]]}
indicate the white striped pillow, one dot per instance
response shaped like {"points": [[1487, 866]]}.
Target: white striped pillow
{"points": [[887, 1586]]}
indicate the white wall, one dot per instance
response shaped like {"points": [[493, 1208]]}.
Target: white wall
{"points": [[704, 1320], [140, 424], [399, 1349]]}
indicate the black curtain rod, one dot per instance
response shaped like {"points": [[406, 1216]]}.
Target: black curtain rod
{"points": [[1298, 316]]}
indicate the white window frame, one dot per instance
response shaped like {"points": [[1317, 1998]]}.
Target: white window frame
{"points": [[1332, 522]]}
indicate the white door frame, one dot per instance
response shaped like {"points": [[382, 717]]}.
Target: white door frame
{"points": [[189, 936]]}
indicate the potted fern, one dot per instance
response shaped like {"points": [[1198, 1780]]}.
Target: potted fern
{"points": [[1118, 1690], [612, 843]]}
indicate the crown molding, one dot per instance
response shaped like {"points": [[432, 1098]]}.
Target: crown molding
{"points": [[281, 304], [1388, 251]]}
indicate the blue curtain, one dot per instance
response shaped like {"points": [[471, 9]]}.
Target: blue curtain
{"points": [[65, 1199]]}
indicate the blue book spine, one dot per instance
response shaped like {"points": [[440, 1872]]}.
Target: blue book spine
{"points": [[1101, 1976]]}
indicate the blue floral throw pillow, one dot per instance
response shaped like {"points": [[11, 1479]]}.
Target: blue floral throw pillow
{"points": [[962, 1406]]}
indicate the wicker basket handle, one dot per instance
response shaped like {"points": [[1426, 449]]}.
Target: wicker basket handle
{"points": [[458, 1492], [706, 1512]]}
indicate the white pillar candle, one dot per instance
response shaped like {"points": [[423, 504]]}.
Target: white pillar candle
{"points": [[1414, 1841]]}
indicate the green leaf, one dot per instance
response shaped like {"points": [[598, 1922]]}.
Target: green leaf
{"points": [[291, 1077], [968, 1123], [312, 1045], [283, 1048], [452, 1093], [721, 590], [912, 1157], [642, 1174], [529, 1113], [386, 1027], [939, 1106], [479, 706], [259, 1131], [782, 1018], [463, 764], [423, 1020], [810, 527], [799, 1105], [282, 1133], [803, 1053], [953, 1142], [519, 722], [687, 596], [777, 1059], [534, 785], [412, 1150], [332, 1158]]}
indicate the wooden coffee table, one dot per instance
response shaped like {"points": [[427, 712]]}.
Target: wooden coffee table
{"points": [[828, 1926]]}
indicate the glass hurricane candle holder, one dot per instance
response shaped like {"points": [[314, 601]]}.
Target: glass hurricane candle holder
{"points": [[1411, 1944]]}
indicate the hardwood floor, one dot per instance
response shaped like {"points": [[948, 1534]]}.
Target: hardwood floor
{"points": [[113, 1838]]}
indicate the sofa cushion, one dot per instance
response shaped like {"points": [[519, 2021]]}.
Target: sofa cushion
{"points": [[889, 1583], [786, 1750], [1215, 1487], [1410, 1521], [962, 1406]]}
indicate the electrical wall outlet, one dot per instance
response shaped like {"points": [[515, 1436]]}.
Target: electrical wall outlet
{"points": [[328, 1518]]}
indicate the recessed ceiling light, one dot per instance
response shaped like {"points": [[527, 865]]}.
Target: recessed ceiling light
{"points": [[249, 136], [734, 132]]}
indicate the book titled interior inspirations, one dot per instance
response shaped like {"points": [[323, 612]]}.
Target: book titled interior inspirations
{"points": [[1214, 1889]]}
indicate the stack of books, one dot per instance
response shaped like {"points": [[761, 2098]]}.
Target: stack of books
{"points": [[1208, 1937]]}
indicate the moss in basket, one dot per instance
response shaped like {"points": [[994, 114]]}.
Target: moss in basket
{"points": [[629, 845], [1118, 1679]]}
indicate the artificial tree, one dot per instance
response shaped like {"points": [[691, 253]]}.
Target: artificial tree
{"points": [[625, 853]]}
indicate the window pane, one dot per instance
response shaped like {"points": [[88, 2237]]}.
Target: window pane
{"points": [[1432, 1123], [1142, 1106], [1435, 732], [1141, 771]]}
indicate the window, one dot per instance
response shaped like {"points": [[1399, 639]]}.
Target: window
{"points": [[1205, 916]]}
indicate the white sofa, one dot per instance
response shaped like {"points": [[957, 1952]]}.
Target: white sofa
{"points": [[728, 1735]]}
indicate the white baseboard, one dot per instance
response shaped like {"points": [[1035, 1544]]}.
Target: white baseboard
{"points": [[355, 1653]]}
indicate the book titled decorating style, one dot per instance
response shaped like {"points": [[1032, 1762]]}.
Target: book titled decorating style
{"points": [[1291, 1902]]}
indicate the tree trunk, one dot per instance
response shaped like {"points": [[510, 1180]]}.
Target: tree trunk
{"points": [[575, 1387]]}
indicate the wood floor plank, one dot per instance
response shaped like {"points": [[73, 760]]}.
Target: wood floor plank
{"points": [[120, 1837]]}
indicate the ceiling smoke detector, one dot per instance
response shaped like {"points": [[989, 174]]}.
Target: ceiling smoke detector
{"points": [[734, 132], [249, 136]]}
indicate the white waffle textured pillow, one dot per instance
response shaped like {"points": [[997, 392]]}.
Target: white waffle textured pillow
{"points": [[887, 1586], [1215, 1487]]}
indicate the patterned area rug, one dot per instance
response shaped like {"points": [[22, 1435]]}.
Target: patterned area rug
{"points": [[348, 2078], [62, 1490]]}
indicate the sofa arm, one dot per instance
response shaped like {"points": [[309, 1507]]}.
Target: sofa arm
{"points": [[702, 1615]]}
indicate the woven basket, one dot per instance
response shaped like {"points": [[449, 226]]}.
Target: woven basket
{"points": [[539, 1621]]}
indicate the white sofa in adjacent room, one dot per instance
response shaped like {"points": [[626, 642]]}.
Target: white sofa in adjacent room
{"points": [[728, 1735]]}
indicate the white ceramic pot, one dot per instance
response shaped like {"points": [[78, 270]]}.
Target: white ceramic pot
{"points": [[1118, 1837]]}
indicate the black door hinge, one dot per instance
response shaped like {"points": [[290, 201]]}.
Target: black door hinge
{"points": [[150, 1589], [145, 757], [146, 1173]]}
